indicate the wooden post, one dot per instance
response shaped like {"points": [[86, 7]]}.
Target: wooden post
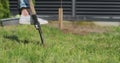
{"points": [[60, 18]]}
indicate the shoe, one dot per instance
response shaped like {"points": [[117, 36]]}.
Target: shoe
{"points": [[28, 20], [24, 19], [42, 21]]}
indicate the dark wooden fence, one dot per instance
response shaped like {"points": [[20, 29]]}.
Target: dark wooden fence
{"points": [[97, 10]]}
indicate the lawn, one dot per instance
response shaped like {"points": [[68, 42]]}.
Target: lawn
{"points": [[21, 44]]}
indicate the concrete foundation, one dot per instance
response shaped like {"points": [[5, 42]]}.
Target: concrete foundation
{"points": [[107, 23]]}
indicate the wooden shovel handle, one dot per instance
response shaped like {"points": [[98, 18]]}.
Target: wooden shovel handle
{"points": [[32, 8]]}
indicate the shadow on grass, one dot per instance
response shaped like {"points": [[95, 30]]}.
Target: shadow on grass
{"points": [[16, 39], [12, 37]]}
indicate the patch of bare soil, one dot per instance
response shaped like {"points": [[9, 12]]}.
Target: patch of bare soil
{"points": [[81, 28]]}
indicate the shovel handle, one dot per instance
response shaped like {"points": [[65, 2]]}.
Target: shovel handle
{"points": [[32, 8]]}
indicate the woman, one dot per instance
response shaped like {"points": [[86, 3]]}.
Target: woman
{"points": [[25, 13]]}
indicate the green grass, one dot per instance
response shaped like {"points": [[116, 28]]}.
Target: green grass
{"points": [[20, 44]]}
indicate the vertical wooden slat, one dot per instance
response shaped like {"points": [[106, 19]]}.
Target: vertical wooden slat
{"points": [[60, 18]]}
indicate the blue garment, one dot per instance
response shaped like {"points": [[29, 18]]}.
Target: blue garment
{"points": [[24, 4]]}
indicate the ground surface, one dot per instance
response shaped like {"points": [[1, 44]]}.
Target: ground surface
{"points": [[80, 43], [81, 28]]}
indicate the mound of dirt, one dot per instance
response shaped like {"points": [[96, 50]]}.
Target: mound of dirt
{"points": [[81, 28]]}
